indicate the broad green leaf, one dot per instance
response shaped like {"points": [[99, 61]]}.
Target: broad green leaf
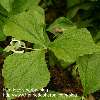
{"points": [[25, 71], [73, 11], [60, 23], [72, 44], [2, 36], [28, 25], [57, 27], [3, 12], [22, 5], [89, 70], [51, 95], [85, 23], [7, 4], [71, 3], [3, 18], [86, 6], [73, 8], [97, 37]]}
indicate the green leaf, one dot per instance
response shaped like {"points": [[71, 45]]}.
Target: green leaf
{"points": [[25, 71], [22, 5], [3, 18], [7, 4], [89, 70], [73, 6], [57, 27], [85, 23], [97, 37], [71, 3], [59, 23], [2, 36], [72, 44], [73, 10], [28, 26], [51, 95], [3, 12]]}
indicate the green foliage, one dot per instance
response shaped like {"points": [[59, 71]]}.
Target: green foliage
{"points": [[89, 70], [23, 5], [11, 7], [74, 9], [2, 36], [72, 44], [7, 4], [25, 71], [3, 17], [67, 47], [71, 3], [97, 37], [58, 25], [27, 26], [16, 6]]}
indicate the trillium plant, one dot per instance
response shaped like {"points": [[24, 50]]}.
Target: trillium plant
{"points": [[27, 68]]}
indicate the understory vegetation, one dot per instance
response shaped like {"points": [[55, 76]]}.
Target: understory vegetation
{"points": [[49, 50]]}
